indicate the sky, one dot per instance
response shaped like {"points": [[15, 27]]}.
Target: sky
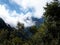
{"points": [[14, 11]]}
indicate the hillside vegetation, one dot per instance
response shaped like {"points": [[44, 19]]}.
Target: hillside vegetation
{"points": [[48, 33]]}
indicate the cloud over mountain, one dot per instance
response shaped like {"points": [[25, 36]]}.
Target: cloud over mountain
{"points": [[12, 11]]}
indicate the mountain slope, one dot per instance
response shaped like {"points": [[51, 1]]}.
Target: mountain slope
{"points": [[2, 24]]}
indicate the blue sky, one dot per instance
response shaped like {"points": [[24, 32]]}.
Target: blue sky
{"points": [[13, 11], [13, 6]]}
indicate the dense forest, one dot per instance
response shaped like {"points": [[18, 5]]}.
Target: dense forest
{"points": [[48, 33]]}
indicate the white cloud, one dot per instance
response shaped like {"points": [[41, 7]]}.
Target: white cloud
{"points": [[37, 4], [5, 15], [12, 17]]}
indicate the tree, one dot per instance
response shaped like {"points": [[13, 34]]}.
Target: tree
{"points": [[33, 29], [20, 26], [52, 22], [17, 41]]}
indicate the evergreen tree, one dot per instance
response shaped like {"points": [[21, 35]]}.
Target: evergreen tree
{"points": [[52, 22]]}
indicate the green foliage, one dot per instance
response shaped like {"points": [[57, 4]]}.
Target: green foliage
{"points": [[47, 34], [33, 29], [52, 22], [20, 26], [17, 36]]}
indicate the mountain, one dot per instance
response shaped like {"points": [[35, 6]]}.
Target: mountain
{"points": [[38, 21], [2, 24], [29, 31]]}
